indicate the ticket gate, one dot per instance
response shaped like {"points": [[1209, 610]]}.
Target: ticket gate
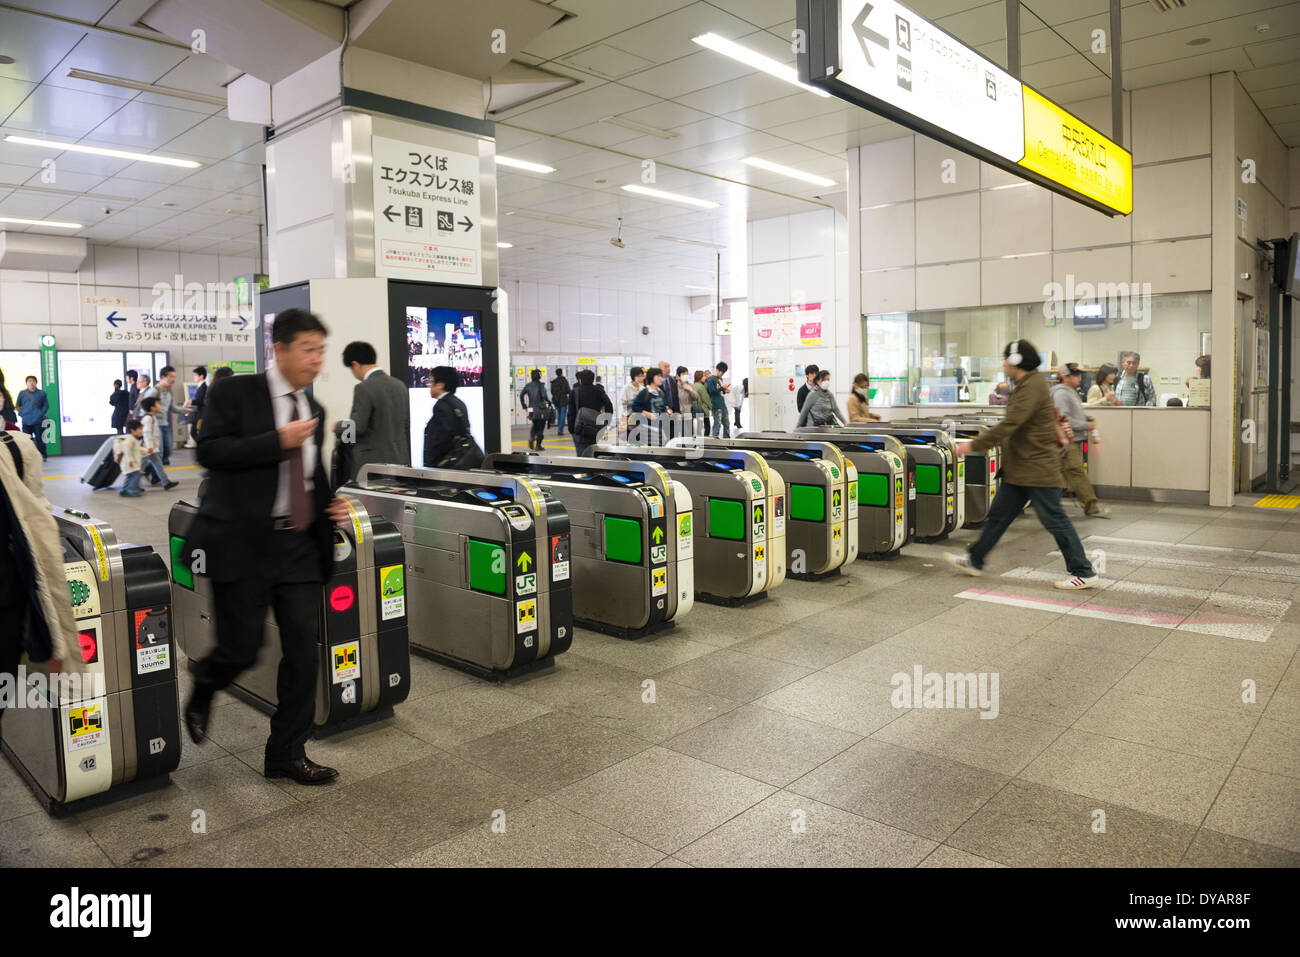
{"points": [[981, 470], [939, 476], [883, 480], [364, 666], [487, 565], [738, 517], [112, 730], [627, 565], [821, 494]]}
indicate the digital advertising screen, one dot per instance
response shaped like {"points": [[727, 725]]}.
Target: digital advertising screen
{"points": [[437, 325]]}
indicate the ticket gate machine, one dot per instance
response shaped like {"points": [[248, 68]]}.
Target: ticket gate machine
{"points": [[487, 565], [364, 666], [821, 494], [981, 470], [883, 481], [113, 729], [629, 575], [940, 477], [738, 516]]}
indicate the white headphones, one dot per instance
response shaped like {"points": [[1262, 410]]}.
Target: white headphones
{"points": [[1014, 355]]}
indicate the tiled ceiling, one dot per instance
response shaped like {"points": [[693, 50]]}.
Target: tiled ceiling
{"points": [[634, 61]]}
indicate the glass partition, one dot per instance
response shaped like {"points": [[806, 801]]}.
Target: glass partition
{"points": [[949, 356]]}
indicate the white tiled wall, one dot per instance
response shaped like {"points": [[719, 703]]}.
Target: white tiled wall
{"points": [[928, 244], [593, 321], [35, 303]]}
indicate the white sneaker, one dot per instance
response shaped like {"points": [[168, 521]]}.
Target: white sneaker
{"points": [[962, 562], [1072, 584], [1102, 512]]}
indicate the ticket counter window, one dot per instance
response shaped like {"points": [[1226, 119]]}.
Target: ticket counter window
{"points": [[954, 356]]}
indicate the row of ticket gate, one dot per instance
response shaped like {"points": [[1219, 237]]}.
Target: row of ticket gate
{"points": [[488, 571]]}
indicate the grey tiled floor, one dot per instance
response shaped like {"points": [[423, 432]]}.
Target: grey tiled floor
{"points": [[772, 739]]}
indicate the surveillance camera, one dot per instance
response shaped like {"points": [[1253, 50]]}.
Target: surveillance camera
{"points": [[618, 242], [107, 211]]}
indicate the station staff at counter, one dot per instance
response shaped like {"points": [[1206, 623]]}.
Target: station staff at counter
{"points": [[264, 535]]}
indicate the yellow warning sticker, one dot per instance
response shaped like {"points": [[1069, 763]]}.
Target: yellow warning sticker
{"points": [[356, 520], [100, 555], [659, 581], [760, 552], [837, 533], [347, 662], [526, 616], [85, 726]]}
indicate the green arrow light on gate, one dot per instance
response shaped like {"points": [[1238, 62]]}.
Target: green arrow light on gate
{"points": [[758, 513], [524, 561], [657, 534]]}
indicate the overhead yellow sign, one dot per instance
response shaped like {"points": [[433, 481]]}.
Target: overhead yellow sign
{"points": [[1068, 151]]}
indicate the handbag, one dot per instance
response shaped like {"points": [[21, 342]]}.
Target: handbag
{"points": [[587, 425], [464, 454], [1064, 434]]}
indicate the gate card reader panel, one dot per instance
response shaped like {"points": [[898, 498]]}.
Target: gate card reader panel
{"points": [[463, 531], [980, 468], [625, 531], [820, 545], [739, 559], [930, 515], [950, 471]]}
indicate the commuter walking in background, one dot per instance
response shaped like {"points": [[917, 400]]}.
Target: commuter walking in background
{"points": [[533, 398], [718, 402], [631, 390], [669, 386], [735, 397], [701, 403], [167, 410], [1065, 396], [589, 411], [33, 405], [1134, 387], [150, 413], [119, 401], [447, 439], [810, 376], [380, 418], [560, 393], [1102, 390], [1031, 469], [132, 389], [197, 404], [820, 407], [8, 414], [650, 405], [146, 391], [265, 528], [128, 452], [858, 410]]}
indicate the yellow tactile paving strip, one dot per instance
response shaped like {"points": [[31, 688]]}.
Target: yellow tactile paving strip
{"points": [[1278, 501]]}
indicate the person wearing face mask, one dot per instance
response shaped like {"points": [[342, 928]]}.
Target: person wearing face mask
{"points": [[819, 408], [858, 411]]}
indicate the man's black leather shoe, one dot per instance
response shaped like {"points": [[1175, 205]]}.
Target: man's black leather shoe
{"points": [[303, 770], [196, 719]]}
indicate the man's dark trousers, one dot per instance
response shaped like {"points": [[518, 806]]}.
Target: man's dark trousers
{"points": [[289, 582]]}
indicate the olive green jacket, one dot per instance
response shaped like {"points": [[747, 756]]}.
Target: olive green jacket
{"points": [[1027, 435]]}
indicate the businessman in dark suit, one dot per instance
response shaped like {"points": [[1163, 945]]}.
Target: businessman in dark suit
{"points": [[264, 535], [379, 429]]}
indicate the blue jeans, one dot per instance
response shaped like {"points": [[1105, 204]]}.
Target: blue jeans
{"points": [[1009, 503], [721, 421], [153, 465], [131, 482], [561, 413], [166, 431]]}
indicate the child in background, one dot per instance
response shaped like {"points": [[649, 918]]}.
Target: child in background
{"points": [[151, 410], [128, 450]]}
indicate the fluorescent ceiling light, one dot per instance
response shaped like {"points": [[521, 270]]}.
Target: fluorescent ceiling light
{"points": [[104, 151], [524, 164], [636, 127], [672, 197], [691, 242], [121, 81], [558, 220], [753, 58], [787, 171], [39, 222], [505, 245]]}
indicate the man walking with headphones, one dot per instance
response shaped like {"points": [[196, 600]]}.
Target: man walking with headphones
{"points": [[1031, 469]]}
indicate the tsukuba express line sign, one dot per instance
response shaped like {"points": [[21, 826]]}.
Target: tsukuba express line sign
{"points": [[882, 56]]}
